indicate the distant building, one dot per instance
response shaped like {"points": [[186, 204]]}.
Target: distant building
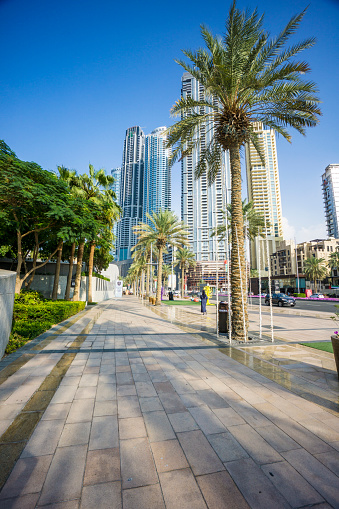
{"points": [[330, 185], [263, 190], [131, 191], [201, 204], [157, 173], [116, 174]]}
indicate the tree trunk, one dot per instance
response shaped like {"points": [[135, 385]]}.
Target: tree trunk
{"points": [[159, 278], [315, 286], [142, 283], [70, 270], [238, 274], [90, 270], [35, 257], [18, 281], [80, 255], [57, 272]]}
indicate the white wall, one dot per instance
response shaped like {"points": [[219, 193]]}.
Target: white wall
{"points": [[102, 290], [7, 288]]}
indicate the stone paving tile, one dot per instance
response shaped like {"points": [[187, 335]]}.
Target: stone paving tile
{"points": [[81, 410], [70, 504], [180, 490], [85, 393], [28, 476], [137, 465], [330, 460], [103, 496], [158, 426], [102, 465], [44, 439], [258, 491], [64, 478], [24, 502], [104, 433], [128, 406], [106, 407], [132, 427], [168, 455], [292, 485], [277, 438], [145, 497], [207, 420], [220, 491], [75, 434], [228, 416], [200, 454], [182, 421], [57, 411], [320, 477], [150, 404], [226, 447], [254, 444]]}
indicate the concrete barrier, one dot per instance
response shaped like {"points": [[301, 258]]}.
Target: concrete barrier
{"points": [[102, 289], [7, 288]]}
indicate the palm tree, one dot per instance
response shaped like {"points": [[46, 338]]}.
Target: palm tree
{"points": [[253, 220], [96, 188], [185, 258], [247, 77], [315, 268], [164, 228]]}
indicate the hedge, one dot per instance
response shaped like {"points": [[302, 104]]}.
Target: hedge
{"points": [[33, 315]]}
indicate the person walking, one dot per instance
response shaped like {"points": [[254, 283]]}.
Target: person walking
{"points": [[203, 300]]}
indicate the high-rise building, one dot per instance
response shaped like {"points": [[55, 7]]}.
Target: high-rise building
{"points": [[116, 174], [330, 185], [157, 174], [201, 204], [131, 190], [263, 189]]}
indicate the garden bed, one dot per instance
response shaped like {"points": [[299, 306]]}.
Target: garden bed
{"points": [[325, 346]]}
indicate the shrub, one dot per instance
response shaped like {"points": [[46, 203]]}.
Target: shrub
{"points": [[29, 297], [299, 295], [32, 317]]}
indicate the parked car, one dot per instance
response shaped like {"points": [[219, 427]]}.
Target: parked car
{"points": [[280, 299], [317, 296]]}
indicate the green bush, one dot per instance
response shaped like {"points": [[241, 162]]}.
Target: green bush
{"points": [[299, 295], [95, 274], [29, 297], [32, 317]]}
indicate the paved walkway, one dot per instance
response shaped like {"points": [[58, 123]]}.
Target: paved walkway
{"points": [[129, 410]]}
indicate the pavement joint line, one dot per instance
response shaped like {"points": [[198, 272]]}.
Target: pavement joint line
{"points": [[16, 436]]}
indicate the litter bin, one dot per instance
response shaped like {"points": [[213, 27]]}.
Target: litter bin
{"points": [[170, 296], [223, 316]]}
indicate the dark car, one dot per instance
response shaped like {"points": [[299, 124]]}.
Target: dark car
{"points": [[280, 299]]}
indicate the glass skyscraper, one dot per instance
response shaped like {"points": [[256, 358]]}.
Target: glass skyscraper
{"points": [[131, 190], [202, 205], [157, 174], [330, 185], [116, 174]]}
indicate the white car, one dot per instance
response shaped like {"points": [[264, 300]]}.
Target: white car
{"points": [[317, 296]]}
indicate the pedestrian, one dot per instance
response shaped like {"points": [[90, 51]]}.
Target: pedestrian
{"points": [[203, 299]]}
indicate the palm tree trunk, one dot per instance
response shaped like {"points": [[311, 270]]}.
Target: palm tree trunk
{"points": [[90, 270], [315, 285], [158, 298], [238, 275], [70, 270], [57, 272], [80, 254]]}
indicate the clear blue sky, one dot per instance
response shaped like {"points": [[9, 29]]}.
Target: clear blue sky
{"points": [[75, 74]]}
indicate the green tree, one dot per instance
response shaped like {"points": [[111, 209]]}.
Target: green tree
{"points": [[314, 269], [247, 78], [185, 258], [333, 261], [253, 220], [32, 202], [166, 272], [164, 228]]}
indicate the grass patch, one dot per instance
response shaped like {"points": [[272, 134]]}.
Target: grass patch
{"points": [[181, 303], [326, 346]]}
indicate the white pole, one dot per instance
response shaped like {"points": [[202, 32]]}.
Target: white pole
{"points": [[296, 262], [216, 256], [259, 282], [241, 287]]}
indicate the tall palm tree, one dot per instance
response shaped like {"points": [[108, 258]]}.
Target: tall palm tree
{"points": [[314, 269], [333, 261], [164, 228], [253, 220], [185, 258], [166, 272], [150, 252], [247, 78]]}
